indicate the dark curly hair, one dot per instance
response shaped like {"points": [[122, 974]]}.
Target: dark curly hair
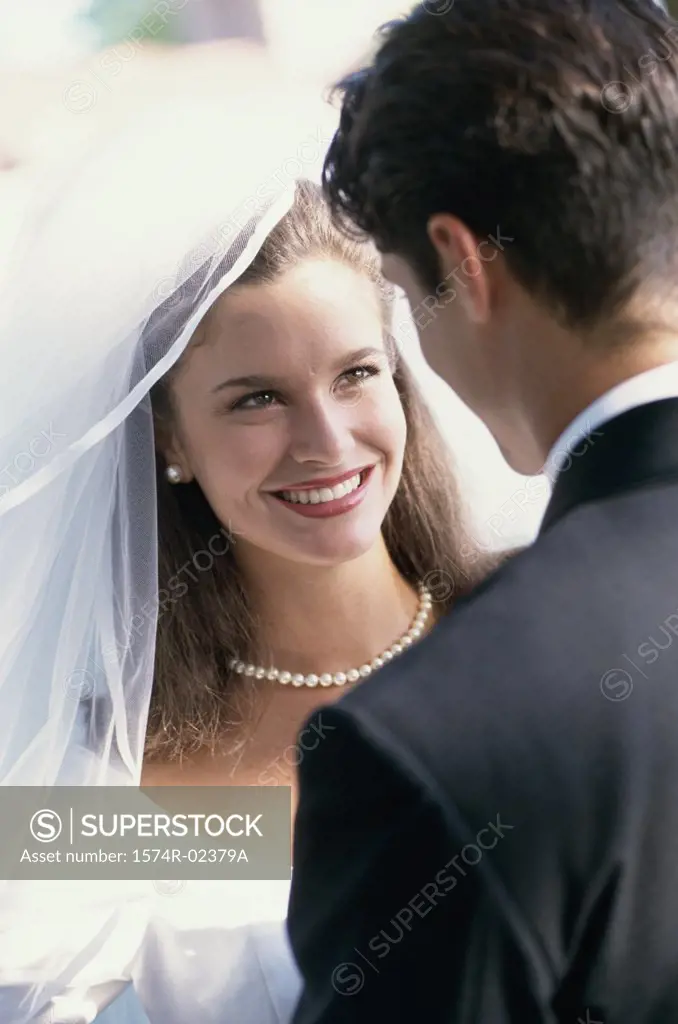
{"points": [[554, 120]]}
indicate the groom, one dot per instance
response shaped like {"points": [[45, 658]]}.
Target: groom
{"points": [[489, 831]]}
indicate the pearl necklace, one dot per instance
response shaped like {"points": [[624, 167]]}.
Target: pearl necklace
{"points": [[341, 678]]}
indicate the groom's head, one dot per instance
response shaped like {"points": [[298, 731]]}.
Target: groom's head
{"points": [[516, 162]]}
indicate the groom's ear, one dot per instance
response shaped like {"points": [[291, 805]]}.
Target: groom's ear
{"points": [[464, 260]]}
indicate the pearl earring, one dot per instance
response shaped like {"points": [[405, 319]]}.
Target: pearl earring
{"points": [[173, 474]]}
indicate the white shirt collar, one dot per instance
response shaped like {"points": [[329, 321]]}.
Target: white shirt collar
{"points": [[650, 386]]}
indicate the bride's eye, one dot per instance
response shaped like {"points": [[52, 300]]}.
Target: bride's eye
{"points": [[257, 400], [358, 374], [348, 387]]}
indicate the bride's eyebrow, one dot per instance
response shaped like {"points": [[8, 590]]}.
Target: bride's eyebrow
{"points": [[261, 381], [252, 380], [370, 352]]}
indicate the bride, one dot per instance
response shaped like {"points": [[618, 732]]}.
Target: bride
{"points": [[241, 512], [303, 498]]}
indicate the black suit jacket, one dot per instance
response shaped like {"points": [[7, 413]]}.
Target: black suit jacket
{"points": [[488, 831]]}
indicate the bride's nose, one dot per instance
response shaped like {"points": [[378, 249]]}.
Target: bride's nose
{"points": [[320, 431]]}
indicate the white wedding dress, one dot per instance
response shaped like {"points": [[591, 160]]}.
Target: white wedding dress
{"points": [[213, 953], [208, 952]]}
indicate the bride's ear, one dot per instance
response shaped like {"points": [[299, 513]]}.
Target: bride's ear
{"points": [[171, 451]]}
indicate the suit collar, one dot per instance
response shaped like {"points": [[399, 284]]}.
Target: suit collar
{"points": [[632, 450], [650, 386]]}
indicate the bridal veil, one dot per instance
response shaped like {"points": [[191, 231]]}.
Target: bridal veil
{"points": [[136, 236]]}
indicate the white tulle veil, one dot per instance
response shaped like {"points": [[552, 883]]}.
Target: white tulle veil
{"points": [[134, 241], [141, 238]]}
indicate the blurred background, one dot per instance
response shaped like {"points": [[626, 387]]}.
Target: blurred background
{"points": [[86, 57], [70, 69]]}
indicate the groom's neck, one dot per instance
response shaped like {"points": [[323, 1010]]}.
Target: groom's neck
{"points": [[566, 376]]}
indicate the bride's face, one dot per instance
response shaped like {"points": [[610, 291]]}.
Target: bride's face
{"points": [[288, 415]]}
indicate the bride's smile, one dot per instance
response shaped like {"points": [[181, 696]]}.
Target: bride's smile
{"points": [[327, 497]]}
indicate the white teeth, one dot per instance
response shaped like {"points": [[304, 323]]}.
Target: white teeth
{"points": [[324, 494]]}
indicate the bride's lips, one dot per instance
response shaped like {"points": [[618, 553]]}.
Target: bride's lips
{"points": [[337, 506]]}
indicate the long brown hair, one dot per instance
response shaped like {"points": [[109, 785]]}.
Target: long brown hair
{"points": [[205, 619]]}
